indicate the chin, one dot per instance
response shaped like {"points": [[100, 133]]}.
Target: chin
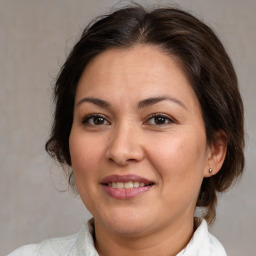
{"points": [[128, 229], [127, 224]]}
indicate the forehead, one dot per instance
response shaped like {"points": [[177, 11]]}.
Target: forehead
{"points": [[141, 71], [146, 60]]}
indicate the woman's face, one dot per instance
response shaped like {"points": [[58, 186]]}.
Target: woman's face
{"points": [[138, 143]]}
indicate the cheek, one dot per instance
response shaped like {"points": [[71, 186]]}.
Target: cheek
{"points": [[85, 156], [180, 167], [180, 161]]}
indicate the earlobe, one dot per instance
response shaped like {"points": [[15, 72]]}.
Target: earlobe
{"points": [[217, 153]]}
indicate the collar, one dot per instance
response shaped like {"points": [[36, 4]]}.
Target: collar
{"points": [[201, 244]]}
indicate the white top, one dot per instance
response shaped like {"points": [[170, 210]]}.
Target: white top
{"points": [[81, 244]]}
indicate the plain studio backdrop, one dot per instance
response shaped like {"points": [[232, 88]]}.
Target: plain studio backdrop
{"points": [[35, 37]]}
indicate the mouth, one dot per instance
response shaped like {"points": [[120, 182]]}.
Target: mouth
{"points": [[126, 181], [126, 186]]}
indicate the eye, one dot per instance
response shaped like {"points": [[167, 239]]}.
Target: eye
{"points": [[95, 120], [159, 119]]}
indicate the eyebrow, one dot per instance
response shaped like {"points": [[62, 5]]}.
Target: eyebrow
{"points": [[96, 101], [151, 101], [142, 104]]}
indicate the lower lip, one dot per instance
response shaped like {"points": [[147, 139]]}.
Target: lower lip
{"points": [[123, 194]]}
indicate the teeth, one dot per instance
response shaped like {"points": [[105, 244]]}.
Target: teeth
{"points": [[136, 184], [119, 185], [127, 185]]}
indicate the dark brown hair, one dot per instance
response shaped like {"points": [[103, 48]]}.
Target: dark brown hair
{"points": [[205, 63]]}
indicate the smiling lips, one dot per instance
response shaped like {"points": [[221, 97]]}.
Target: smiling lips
{"points": [[126, 186]]}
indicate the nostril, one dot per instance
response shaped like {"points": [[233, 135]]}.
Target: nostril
{"points": [[122, 159]]}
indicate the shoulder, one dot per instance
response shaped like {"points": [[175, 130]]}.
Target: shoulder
{"points": [[203, 243], [27, 250], [49, 247], [77, 244], [214, 247]]}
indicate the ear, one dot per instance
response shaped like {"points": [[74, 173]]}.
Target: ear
{"points": [[217, 153]]}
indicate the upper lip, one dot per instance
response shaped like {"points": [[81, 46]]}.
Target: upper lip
{"points": [[125, 178]]}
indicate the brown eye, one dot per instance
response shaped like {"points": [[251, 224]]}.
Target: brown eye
{"points": [[95, 120], [98, 120], [159, 119]]}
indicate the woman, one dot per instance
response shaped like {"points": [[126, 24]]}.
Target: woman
{"points": [[150, 120]]}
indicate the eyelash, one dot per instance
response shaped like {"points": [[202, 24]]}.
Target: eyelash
{"points": [[86, 120], [161, 115], [93, 117]]}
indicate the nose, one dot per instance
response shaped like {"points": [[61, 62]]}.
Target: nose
{"points": [[125, 145]]}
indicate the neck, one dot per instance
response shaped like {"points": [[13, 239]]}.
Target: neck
{"points": [[168, 241]]}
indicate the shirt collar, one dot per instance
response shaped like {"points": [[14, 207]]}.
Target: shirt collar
{"points": [[201, 244]]}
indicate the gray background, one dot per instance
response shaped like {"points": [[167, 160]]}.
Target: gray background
{"points": [[35, 37]]}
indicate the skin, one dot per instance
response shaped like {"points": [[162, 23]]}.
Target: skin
{"points": [[126, 139]]}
